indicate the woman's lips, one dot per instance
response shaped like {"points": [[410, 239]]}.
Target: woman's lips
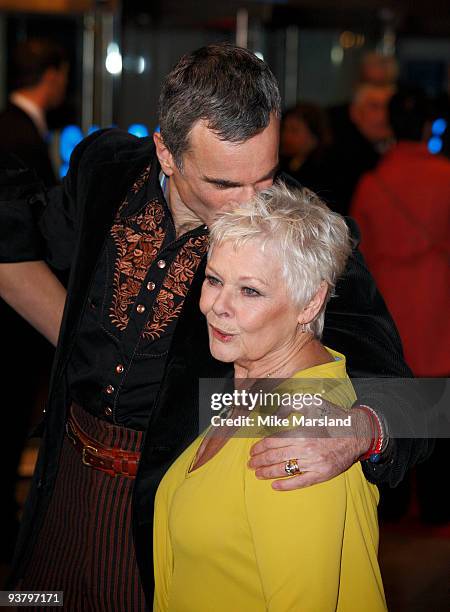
{"points": [[221, 335]]}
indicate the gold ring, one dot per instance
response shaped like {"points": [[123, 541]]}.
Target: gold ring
{"points": [[291, 467]]}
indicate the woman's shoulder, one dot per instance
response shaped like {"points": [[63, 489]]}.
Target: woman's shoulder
{"points": [[328, 380]]}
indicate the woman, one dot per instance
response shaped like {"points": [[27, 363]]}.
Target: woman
{"points": [[305, 139], [224, 540]]}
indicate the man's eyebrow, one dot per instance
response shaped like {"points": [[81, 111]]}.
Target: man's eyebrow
{"points": [[226, 183]]}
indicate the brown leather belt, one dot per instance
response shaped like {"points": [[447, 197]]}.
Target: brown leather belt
{"points": [[113, 461]]}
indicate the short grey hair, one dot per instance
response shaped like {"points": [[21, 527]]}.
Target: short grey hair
{"points": [[228, 87], [365, 90], [312, 242]]}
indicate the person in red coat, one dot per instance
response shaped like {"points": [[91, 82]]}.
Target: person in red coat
{"points": [[403, 210]]}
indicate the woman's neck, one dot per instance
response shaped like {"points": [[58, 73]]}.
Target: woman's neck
{"points": [[306, 352]]}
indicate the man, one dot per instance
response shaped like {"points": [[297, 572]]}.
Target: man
{"points": [[359, 140], [40, 74], [40, 70], [378, 69], [360, 127], [131, 222]]}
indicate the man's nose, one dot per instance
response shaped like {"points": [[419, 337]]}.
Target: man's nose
{"points": [[246, 194]]}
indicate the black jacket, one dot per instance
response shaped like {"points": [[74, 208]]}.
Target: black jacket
{"points": [[20, 136], [102, 168]]}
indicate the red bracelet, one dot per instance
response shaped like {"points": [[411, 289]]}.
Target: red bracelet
{"points": [[377, 433]]}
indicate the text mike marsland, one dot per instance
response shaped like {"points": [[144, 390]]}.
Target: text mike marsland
{"points": [[294, 420]]}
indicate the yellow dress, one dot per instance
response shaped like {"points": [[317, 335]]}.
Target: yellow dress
{"points": [[225, 541]]}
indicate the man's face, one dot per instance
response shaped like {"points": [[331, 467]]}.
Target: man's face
{"points": [[369, 113], [56, 79], [216, 175]]}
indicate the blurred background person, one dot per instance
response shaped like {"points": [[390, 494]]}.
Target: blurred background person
{"points": [[304, 141], [40, 79], [378, 69], [40, 69], [360, 128], [374, 69], [403, 211], [358, 146]]}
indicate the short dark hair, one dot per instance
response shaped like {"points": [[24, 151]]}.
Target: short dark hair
{"points": [[315, 119], [409, 109], [31, 58], [226, 86]]}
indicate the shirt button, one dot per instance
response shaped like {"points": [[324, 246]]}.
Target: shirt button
{"points": [[109, 389], [119, 368], [140, 308], [161, 264], [108, 411], [151, 286]]}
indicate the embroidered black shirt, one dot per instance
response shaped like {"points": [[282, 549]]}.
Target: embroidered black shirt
{"points": [[137, 292]]}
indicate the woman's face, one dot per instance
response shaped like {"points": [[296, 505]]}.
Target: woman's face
{"points": [[296, 137], [250, 316]]}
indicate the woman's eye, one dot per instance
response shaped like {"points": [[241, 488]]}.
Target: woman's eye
{"points": [[212, 280], [248, 291]]}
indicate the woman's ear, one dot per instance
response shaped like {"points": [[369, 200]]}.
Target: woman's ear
{"points": [[164, 155], [311, 310]]}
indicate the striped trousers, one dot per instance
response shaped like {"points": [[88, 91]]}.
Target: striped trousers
{"points": [[85, 547]]}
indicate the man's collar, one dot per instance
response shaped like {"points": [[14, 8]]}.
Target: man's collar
{"points": [[164, 182], [34, 112]]}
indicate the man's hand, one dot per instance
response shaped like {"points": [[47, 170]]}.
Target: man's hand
{"points": [[319, 458]]}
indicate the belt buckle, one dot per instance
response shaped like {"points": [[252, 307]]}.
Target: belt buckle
{"points": [[86, 448]]}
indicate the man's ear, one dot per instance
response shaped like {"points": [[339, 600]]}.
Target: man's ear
{"points": [[311, 310], [164, 155], [49, 76]]}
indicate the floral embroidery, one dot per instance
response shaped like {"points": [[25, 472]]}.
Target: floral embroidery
{"points": [[175, 286], [141, 180], [136, 187], [164, 311], [138, 240]]}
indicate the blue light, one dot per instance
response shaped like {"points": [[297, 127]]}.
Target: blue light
{"points": [[138, 129], [434, 145], [92, 129], [71, 135], [63, 169], [439, 126]]}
